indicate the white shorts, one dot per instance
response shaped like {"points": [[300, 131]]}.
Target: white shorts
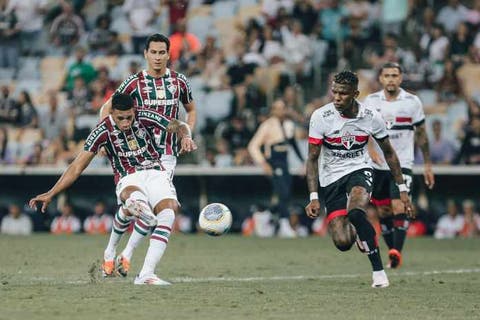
{"points": [[155, 184], [169, 162]]}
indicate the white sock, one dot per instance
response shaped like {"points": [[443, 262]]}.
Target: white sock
{"points": [[121, 222], [140, 231], [158, 241]]}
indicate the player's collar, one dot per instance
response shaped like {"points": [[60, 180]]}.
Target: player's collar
{"points": [[166, 75], [401, 95]]}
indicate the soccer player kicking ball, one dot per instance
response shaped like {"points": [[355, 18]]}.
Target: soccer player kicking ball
{"points": [[338, 135], [405, 120], [142, 183]]}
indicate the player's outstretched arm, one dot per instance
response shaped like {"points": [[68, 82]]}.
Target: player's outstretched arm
{"points": [[191, 114], [394, 165], [373, 153], [69, 176], [313, 208], [421, 139]]}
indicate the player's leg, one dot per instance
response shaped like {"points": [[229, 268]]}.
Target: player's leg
{"points": [[359, 188], [400, 222], [381, 199], [281, 187], [161, 191], [342, 232]]}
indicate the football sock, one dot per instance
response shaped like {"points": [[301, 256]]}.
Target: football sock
{"points": [[121, 222], [400, 222], [140, 231], [387, 230], [366, 234], [158, 241]]}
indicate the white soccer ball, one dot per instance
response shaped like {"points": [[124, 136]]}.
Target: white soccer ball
{"points": [[215, 219]]}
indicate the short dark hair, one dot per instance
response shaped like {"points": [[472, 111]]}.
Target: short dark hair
{"points": [[157, 37], [122, 101], [346, 77], [388, 65]]}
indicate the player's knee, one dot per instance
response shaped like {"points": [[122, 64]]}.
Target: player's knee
{"points": [[343, 234], [167, 204]]}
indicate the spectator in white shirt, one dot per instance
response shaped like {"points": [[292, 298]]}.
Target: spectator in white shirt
{"points": [[450, 224], [16, 222]]}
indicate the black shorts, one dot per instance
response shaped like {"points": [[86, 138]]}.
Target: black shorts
{"points": [[384, 187], [335, 195]]}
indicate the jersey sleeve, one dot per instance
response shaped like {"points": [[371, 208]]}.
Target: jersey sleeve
{"points": [[315, 132], [128, 85], [96, 139], [150, 118], [418, 114], [379, 129], [185, 89]]}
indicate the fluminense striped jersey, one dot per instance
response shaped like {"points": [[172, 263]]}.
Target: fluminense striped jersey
{"points": [[343, 140], [131, 150], [400, 116], [163, 95]]}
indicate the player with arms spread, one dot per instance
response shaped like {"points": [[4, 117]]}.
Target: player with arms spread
{"points": [[405, 120], [338, 135], [142, 181]]}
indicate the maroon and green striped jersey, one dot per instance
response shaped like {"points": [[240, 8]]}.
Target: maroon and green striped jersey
{"points": [[131, 150], [163, 95]]}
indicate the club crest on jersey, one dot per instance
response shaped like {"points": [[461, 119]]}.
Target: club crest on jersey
{"points": [[172, 88], [348, 139], [389, 121], [141, 133], [132, 143], [161, 93]]}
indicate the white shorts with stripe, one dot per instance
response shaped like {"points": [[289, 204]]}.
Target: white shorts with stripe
{"points": [[155, 184]]}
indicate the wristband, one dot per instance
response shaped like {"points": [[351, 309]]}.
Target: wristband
{"points": [[313, 196], [402, 187]]}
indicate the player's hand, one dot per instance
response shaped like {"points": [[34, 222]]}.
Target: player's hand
{"points": [[313, 209], [429, 177], [267, 168], [407, 204], [44, 199], [188, 145]]}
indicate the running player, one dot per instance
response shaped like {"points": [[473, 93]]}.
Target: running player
{"points": [[142, 183], [405, 120], [338, 135]]}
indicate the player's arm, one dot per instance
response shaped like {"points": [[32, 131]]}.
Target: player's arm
{"points": [[372, 152], [191, 114], [106, 108], [69, 176], [254, 148], [184, 133], [313, 208], [421, 139], [394, 165]]}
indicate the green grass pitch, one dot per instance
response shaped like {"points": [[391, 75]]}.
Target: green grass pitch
{"points": [[230, 277]]}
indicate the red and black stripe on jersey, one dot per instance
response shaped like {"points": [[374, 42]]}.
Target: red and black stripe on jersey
{"points": [[338, 143], [131, 150], [163, 95]]}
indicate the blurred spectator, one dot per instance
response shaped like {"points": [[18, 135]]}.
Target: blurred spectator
{"points": [[182, 43], [450, 224], [9, 37], [451, 15], [79, 68], [4, 156], [100, 222], [298, 60], [79, 97], [142, 16], [66, 223], [102, 40], [470, 150], [237, 133], [304, 11], [449, 87], [8, 108], [473, 105], [461, 43], [16, 222], [332, 20], [435, 45], [35, 156], [442, 150], [30, 14], [473, 15], [391, 52], [394, 13], [28, 116], [263, 223], [53, 117], [177, 10], [66, 30], [471, 226], [223, 157]]}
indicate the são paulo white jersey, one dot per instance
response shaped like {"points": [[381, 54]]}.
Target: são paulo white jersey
{"points": [[343, 140], [400, 116]]}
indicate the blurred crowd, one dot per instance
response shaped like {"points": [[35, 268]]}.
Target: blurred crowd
{"points": [[60, 60]]}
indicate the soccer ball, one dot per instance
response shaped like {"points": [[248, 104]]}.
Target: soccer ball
{"points": [[215, 219]]}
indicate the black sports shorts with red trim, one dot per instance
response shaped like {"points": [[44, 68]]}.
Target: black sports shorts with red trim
{"points": [[335, 195], [384, 187]]}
